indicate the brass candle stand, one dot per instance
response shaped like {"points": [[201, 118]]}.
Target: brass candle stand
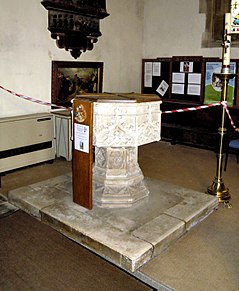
{"points": [[218, 188]]}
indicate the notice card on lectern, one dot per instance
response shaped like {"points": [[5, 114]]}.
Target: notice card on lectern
{"points": [[81, 137]]}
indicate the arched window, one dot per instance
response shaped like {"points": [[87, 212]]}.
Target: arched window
{"points": [[215, 11]]}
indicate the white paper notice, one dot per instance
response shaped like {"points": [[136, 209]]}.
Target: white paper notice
{"points": [[147, 80], [178, 88], [148, 67], [178, 77], [186, 67], [194, 89], [81, 138], [162, 88], [156, 69], [148, 72], [194, 78]]}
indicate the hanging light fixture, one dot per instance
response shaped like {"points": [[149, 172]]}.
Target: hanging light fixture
{"points": [[75, 24]]}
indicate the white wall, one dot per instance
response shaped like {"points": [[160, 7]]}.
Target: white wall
{"points": [[175, 28], [134, 30], [27, 50]]}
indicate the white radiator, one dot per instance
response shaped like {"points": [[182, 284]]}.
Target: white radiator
{"points": [[26, 140]]}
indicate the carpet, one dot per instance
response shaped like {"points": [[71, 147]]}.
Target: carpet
{"points": [[36, 257]]}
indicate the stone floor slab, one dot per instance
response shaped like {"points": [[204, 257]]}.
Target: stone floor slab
{"points": [[128, 237], [161, 232], [6, 208]]}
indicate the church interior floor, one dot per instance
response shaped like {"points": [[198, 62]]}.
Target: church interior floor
{"points": [[204, 258]]}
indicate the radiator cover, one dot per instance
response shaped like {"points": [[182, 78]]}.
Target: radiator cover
{"points": [[26, 140]]}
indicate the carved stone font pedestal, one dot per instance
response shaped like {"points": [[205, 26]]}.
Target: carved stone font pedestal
{"points": [[117, 179], [121, 124]]}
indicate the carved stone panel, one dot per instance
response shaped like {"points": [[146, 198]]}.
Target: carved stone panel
{"points": [[117, 178], [126, 124]]}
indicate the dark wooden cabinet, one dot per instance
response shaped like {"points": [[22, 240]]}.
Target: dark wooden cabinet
{"points": [[195, 128]]}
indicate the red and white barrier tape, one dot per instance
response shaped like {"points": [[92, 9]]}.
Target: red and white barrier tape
{"points": [[34, 100], [224, 104], [193, 108]]}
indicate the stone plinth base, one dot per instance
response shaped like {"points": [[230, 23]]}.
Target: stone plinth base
{"points": [[129, 238], [117, 178]]}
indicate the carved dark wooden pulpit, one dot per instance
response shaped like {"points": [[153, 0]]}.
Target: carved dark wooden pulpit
{"points": [[74, 24]]}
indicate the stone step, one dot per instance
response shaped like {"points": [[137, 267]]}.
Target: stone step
{"points": [[127, 237]]}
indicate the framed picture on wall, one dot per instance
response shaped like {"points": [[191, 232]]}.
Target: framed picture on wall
{"points": [[70, 79]]}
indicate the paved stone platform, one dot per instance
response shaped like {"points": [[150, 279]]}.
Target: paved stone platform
{"points": [[6, 208], [130, 237]]}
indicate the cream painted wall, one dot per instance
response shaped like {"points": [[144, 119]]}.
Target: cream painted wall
{"points": [[134, 30], [27, 50], [175, 28]]}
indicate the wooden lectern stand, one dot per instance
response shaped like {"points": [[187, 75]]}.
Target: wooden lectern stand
{"points": [[82, 152]]}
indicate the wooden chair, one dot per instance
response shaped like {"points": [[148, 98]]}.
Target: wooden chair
{"points": [[232, 147]]}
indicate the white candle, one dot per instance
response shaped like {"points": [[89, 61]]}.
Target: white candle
{"points": [[227, 44]]}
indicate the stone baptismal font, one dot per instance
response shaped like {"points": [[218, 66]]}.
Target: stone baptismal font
{"points": [[121, 123]]}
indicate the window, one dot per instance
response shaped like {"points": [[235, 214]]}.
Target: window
{"points": [[215, 11]]}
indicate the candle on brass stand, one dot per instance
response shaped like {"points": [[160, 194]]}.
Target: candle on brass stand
{"points": [[217, 187]]}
